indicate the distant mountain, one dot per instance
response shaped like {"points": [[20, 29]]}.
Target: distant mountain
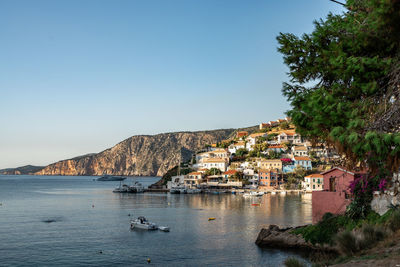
{"points": [[147, 155], [28, 169]]}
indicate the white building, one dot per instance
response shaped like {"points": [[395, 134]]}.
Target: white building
{"points": [[234, 147], [252, 140], [218, 153], [299, 151], [313, 182], [289, 137], [219, 163]]}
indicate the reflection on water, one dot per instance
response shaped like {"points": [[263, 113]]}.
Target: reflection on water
{"points": [[84, 217]]}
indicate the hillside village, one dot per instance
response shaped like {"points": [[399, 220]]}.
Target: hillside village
{"points": [[275, 157]]}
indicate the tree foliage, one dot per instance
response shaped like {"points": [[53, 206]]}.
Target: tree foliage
{"points": [[341, 75]]}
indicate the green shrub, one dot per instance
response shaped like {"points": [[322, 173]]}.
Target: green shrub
{"points": [[371, 234], [293, 262], [393, 221], [347, 242]]}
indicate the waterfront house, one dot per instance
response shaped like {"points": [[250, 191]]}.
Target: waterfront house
{"points": [[313, 182], [287, 165], [231, 179], [336, 195], [304, 162], [193, 179], [269, 164], [269, 179]]}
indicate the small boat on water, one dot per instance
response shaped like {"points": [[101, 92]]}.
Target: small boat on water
{"points": [[163, 228], [193, 191], [142, 223], [136, 188], [211, 219], [178, 190], [107, 178], [253, 194], [124, 188]]}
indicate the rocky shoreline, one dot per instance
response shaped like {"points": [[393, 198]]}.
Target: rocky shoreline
{"points": [[283, 238]]}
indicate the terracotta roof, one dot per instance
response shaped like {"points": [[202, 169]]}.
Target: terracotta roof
{"points": [[297, 148], [338, 168], [315, 175], [302, 158], [230, 172], [270, 160], [241, 133], [253, 135], [216, 160], [239, 143]]}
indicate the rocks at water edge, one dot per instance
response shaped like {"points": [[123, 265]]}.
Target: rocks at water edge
{"points": [[275, 237]]}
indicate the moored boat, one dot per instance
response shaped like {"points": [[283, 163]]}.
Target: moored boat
{"points": [[142, 223], [107, 178]]}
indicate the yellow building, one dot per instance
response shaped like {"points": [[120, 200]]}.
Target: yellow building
{"points": [[270, 164]]}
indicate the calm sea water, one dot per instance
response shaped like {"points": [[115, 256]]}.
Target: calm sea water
{"points": [[89, 218]]}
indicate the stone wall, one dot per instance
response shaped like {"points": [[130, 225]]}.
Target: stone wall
{"points": [[383, 200]]}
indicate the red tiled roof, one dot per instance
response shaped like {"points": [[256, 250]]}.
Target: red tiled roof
{"points": [[230, 172]]}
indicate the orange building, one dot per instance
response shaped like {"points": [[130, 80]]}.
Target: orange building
{"points": [[269, 178]]}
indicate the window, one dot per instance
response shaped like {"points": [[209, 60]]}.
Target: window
{"points": [[313, 186]]}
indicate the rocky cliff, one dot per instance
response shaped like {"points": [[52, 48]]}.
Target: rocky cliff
{"points": [[147, 155]]}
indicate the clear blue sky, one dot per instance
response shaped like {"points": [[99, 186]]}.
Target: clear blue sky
{"points": [[80, 76]]}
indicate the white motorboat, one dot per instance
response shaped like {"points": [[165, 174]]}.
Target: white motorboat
{"points": [[163, 228], [178, 190], [253, 194], [193, 191], [122, 189], [142, 223], [137, 188]]}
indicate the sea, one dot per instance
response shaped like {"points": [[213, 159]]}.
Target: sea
{"points": [[78, 221]]}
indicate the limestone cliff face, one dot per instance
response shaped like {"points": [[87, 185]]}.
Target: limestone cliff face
{"points": [[139, 155]]}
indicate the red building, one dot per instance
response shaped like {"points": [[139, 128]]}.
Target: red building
{"points": [[335, 195], [269, 179]]}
